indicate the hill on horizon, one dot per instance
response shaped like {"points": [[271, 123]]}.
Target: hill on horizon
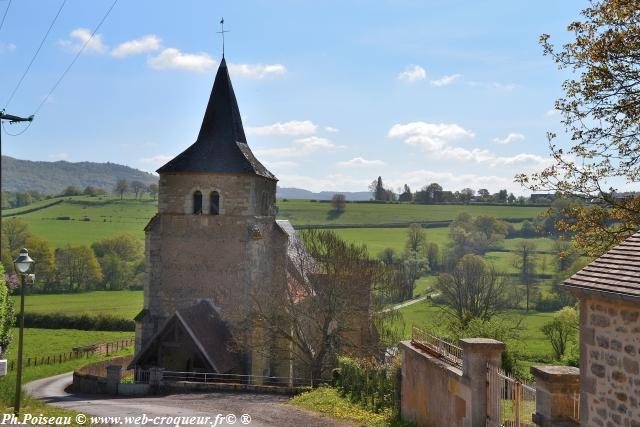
{"points": [[54, 177]]}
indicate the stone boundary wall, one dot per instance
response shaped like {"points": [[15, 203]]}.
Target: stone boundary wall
{"points": [[433, 391], [92, 378]]}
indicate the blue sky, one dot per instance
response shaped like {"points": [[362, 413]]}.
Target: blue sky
{"points": [[332, 93]]}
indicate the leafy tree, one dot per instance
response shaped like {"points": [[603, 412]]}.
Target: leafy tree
{"points": [[600, 112], [45, 267], [92, 191], [562, 329], [511, 199], [14, 235], [6, 314], [378, 190], [528, 229], [77, 268], [125, 246], [117, 274], [432, 253], [339, 203], [153, 190], [121, 187], [473, 290], [137, 187], [502, 196], [466, 194], [475, 236], [416, 239], [484, 193], [525, 262], [406, 195], [72, 190]]}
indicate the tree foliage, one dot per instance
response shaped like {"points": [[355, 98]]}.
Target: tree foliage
{"points": [[601, 113], [561, 330], [6, 314]]}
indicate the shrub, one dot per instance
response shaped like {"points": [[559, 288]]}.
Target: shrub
{"points": [[63, 218], [84, 322], [374, 386]]}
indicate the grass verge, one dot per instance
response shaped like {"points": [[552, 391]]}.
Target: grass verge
{"points": [[329, 402]]}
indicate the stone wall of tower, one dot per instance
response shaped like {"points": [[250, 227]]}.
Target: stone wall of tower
{"points": [[218, 257]]}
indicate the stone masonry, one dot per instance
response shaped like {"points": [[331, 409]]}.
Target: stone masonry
{"points": [[610, 337]]}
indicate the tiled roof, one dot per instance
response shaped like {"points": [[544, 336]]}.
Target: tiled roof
{"points": [[221, 146], [616, 272]]}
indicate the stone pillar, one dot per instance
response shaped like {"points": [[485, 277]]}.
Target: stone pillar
{"points": [[557, 388], [155, 376], [476, 353], [113, 378]]}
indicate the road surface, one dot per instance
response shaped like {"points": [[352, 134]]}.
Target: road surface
{"points": [[265, 410]]}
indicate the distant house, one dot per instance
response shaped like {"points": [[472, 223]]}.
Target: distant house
{"points": [[609, 294]]}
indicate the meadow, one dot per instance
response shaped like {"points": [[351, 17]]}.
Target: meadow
{"points": [[81, 220]]}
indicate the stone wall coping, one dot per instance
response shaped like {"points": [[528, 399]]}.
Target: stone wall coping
{"points": [[564, 374], [481, 345], [452, 371]]}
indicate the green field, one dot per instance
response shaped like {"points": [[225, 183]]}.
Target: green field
{"points": [[45, 342], [125, 304], [307, 212]]}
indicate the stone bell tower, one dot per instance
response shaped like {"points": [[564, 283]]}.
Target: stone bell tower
{"points": [[213, 239]]}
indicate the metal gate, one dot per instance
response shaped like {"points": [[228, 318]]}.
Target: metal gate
{"points": [[510, 403]]}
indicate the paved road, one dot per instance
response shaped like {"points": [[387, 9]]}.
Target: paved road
{"points": [[265, 410], [405, 304]]}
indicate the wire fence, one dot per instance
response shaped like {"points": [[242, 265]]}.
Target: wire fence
{"points": [[85, 352], [213, 377]]}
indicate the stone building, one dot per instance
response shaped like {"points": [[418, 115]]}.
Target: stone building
{"points": [[214, 241], [609, 294]]}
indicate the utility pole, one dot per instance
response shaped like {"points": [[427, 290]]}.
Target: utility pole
{"points": [[11, 119]]}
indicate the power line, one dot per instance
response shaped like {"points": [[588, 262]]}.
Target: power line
{"points": [[64, 73], [26, 71], [5, 14]]}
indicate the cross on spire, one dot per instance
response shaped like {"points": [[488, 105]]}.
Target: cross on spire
{"points": [[222, 31]]}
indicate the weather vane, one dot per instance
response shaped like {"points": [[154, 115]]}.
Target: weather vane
{"points": [[222, 31]]}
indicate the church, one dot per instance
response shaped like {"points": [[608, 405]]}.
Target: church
{"points": [[212, 243]]}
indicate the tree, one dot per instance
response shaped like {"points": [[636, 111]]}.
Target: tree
{"points": [[511, 199], [562, 329], [92, 191], [502, 196], [153, 190], [121, 187], [7, 316], [484, 193], [77, 267], [528, 229], [432, 256], [116, 273], [525, 263], [14, 235], [338, 203], [600, 112], [45, 266], [331, 304], [137, 187], [125, 246], [405, 195], [377, 189], [466, 194], [416, 239], [72, 190], [473, 290]]}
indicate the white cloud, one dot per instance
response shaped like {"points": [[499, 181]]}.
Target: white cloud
{"points": [[360, 162], [512, 137], [172, 58], [431, 136], [413, 73], [508, 87], [293, 127], [7, 47], [552, 113], [300, 148], [82, 36], [453, 181], [157, 160], [332, 182], [134, 47], [331, 129], [445, 80], [436, 138], [257, 71]]}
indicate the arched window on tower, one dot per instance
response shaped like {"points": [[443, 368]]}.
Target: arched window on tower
{"points": [[197, 203], [215, 203]]}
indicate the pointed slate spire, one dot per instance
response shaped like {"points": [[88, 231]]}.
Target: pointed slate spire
{"points": [[221, 146]]}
